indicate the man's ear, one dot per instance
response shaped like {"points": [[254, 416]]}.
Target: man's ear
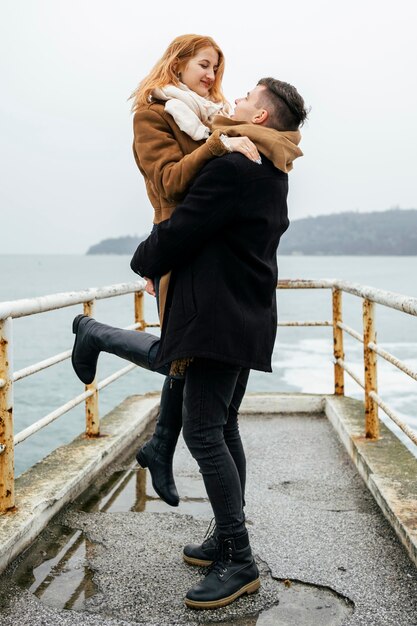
{"points": [[260, 117]]}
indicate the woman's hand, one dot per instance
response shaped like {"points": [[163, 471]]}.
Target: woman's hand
{"points": [[246, 147], [149, 287]]}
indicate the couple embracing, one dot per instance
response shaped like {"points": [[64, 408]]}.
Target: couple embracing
{"points": [[218, 183]]}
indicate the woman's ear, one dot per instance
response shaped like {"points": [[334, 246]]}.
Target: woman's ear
{"points": [[175, 67]]}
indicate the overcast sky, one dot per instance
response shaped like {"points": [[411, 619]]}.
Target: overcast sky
{"points": [[67, 67]]}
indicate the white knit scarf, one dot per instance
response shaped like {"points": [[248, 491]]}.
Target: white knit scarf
{"points": [[191, 112]]}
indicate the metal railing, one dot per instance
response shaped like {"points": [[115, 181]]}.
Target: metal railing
{"points": [[370, 297], [21, 308]]}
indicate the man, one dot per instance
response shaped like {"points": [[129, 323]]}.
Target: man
{"points": [[220, 316]]}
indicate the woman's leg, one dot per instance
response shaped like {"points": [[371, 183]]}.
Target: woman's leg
{"points": [[157, 453], [92, 337]]}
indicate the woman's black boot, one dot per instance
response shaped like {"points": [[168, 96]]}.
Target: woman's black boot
{"points": [[92, 337], [158, 452], [232, 574]]}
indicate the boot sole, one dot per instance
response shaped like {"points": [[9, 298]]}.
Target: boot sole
{"points": [[192, 561], [251, 587], [144, 464], [75, 324]]}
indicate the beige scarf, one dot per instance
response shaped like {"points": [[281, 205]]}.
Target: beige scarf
{"points": [[191, 112]]}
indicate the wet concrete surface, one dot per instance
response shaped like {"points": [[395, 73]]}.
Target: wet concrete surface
{"points": [[325, 553]]}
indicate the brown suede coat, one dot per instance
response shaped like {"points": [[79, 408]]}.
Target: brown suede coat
{"points": [[169, 159]]}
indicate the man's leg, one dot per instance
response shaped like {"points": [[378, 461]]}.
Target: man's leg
{"points": [[208, 393], [231, 429], [203, 554]]}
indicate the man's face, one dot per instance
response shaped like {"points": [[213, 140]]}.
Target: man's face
{"points": [[247, 108]]}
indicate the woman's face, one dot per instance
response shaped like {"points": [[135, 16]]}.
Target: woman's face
{"points": [[200, 71]]}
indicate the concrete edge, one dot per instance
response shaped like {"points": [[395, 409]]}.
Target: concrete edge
{"points": [[44, 489], [388, 468], [273, 403]]}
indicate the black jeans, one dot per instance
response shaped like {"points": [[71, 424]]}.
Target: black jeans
{"points": [[211, 393]]}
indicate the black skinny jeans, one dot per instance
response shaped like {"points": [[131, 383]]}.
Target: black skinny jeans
{"points": [[211, 393]]}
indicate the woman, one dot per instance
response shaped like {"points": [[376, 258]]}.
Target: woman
{"points": [[174, 107], [171, 122]]}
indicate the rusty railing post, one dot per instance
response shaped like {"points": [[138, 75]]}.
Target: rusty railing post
{"points": [[139, 310], [7, 501], [92, 414], [370, 359], [339, 374]]}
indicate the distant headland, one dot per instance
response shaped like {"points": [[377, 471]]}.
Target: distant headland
{"points": [[387, 233]]}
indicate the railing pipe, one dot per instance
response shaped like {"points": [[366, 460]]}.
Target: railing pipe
{"points": [[370, 359], [339, 375], [393, 360], [7, 500], [391, 299], [92, 415], [30, 306], [307, 323], [41, 365], [51, 417]]}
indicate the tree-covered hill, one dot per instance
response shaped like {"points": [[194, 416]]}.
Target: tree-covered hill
{"points": [[392, 232], [119, 245]]}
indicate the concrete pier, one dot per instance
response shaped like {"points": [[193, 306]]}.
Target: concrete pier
{"points": [[326, 551]]}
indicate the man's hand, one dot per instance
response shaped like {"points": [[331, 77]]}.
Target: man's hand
{"points": [[150, 287]]}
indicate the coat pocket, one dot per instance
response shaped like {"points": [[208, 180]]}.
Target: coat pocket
{"points": [[184, 307]]}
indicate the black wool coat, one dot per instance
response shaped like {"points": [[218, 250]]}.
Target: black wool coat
{"points": [[221, 244]]}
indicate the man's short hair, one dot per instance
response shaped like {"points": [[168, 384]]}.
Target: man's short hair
{"points": [[285, 106]]}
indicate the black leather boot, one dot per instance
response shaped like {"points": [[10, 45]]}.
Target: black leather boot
{"points": [[203, 554], [158, 452], [232, 574], [92, 337]]}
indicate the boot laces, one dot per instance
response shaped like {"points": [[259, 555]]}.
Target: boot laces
{"points": [[211, 530], [223, 558]]}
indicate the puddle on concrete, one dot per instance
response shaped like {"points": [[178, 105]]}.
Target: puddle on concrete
{"points": [[300, 605], [55, 568], [131, 490]]}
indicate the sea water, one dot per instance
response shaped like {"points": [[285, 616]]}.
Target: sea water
{"points": [[302, 359]]}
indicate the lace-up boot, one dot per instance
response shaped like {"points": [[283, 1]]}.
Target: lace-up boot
{"points": [[203, 554], [232, 574]]}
